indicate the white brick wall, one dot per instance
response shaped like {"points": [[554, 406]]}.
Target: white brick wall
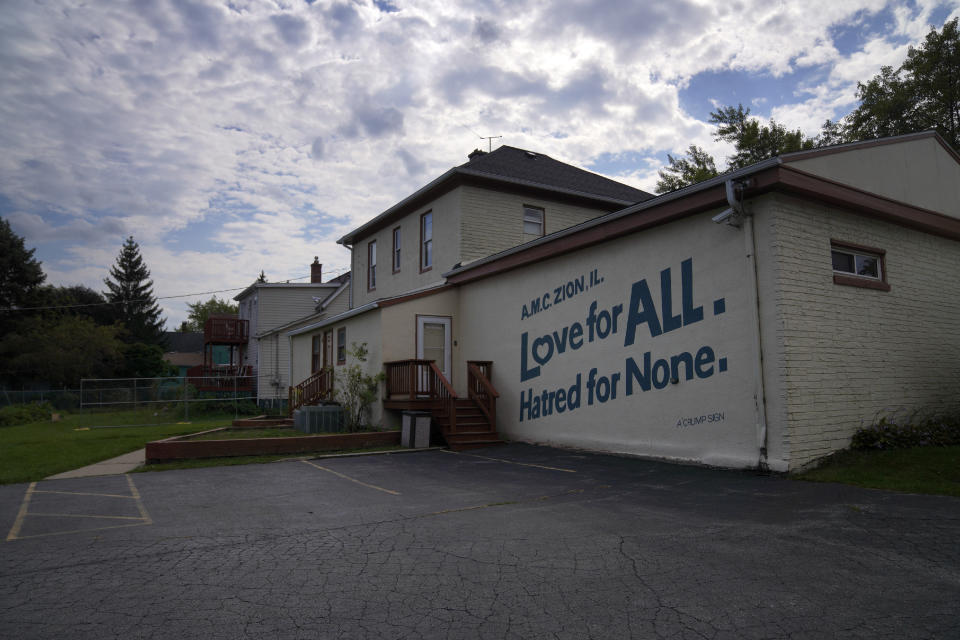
{"points": [[851, 354]]}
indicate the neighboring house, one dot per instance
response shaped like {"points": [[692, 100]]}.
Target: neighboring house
{"points": [[184, 349], [271, 307], [755, 319]]}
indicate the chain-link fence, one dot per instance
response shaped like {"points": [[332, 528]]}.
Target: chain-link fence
{"points": [[63, 399], [158, 400], [148, 401]]}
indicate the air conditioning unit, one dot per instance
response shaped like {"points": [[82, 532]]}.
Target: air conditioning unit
{"points": [[324, 418]]}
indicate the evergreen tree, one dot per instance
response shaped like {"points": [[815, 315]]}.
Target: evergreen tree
{"points": [[131, 292], [20, 278], [20, 272]]}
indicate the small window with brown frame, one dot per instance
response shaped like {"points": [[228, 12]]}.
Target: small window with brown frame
{"points": [[396, 249], [855, 265], [426, 241], [342, 345], [533, 221], [372, 265]]}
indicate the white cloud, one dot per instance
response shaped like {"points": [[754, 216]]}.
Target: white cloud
{"points": [[271, 131]]}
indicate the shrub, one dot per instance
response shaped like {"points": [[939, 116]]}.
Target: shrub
{"points": [[25, 413], [356, 390], [911, 431]]}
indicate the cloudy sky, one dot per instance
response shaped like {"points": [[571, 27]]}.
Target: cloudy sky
{"points": [[233, 136]]}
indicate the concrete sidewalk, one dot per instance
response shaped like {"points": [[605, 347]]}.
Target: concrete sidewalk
{"points": [[113, 466]]}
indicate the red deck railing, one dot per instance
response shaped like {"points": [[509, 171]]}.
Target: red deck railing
{"points": [[226, 330], [317, 387], [422, 381], [221, 378]]}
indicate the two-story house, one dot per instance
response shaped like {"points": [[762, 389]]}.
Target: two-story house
{"points": [[754, 319], [272, 308], [493, 202]]}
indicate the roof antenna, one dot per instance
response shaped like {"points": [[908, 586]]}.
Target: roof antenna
{"points": [[489, 139]]}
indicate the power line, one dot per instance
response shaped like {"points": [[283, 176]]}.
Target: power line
{"points": [[181, 295]]}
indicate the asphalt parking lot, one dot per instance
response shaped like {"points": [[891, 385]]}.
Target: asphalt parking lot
{"points": [[510, 542]]}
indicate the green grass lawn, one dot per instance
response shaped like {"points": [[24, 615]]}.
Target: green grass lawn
{"points": [[933, 470], [40, 449]]}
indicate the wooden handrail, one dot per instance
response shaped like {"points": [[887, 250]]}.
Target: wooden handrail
{"points": [[422, 380], [416, 379], [318, 386], [481, 390]]}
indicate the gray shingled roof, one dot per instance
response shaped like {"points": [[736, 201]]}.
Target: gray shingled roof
{"points": [[512, 166], [510, 162], [188, 342]]}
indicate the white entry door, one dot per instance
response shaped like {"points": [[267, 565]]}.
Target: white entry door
{"points": [[433, 341]]}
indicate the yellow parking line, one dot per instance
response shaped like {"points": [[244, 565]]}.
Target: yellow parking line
{"points": [[18, 523], [345, 477], [142, 519], [136, 495], [63, 533], [522, 464], [83, 493]]}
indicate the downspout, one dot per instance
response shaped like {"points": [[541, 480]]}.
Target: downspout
{"points": [[734, 216], [289, 368]]}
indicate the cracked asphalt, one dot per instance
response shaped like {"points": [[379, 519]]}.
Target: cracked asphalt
{"points": [[510, 542]]}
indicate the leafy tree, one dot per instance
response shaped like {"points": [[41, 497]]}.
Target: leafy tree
{"points": [[20, 275], [76, 300], [60, 351], [200, 311], [752, 141], [923, 93], [131, 291], [144, 361], [696, 167]]}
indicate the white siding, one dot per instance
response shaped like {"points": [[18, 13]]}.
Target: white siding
{"points": [[446, 248], [493, 220]]}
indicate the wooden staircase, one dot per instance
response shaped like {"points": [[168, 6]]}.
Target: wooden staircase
{"points": [[472, 428], [466, 423]]}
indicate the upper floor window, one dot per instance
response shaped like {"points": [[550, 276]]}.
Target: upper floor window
{"points": [[342, 345], [532, 220], [858, 266], [372, 265], [426, 241], [396, 250]]}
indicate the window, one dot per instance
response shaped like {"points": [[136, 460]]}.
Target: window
{"points": [[315, 358], [396, 249], [858, 266], [532, 220], [342, 345], [372, 265], [426, 241]]}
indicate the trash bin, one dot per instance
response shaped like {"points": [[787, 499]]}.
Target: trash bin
{"points": [[415, 432]]}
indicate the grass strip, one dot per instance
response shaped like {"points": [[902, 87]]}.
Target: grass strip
{"points": [[37, 450], [931, 470]]}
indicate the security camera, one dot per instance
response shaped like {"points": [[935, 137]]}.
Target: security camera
{"points": [[726, 216]]}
